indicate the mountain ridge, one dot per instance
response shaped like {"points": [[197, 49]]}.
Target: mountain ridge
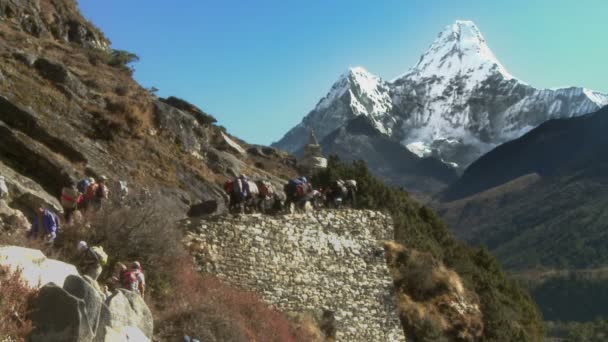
{"points": [[456, 103]]}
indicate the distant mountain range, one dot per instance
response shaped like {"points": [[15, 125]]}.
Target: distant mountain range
{"points": [[539, 200], [455, 104]]}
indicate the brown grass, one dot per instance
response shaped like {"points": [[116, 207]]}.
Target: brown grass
{"points": [[208, 309], [432, 302], [14, 299]]}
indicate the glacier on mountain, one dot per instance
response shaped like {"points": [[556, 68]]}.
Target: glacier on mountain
{"points": [[456, 103]]}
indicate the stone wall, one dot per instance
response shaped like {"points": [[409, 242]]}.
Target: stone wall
{"points": [[326, 260]]}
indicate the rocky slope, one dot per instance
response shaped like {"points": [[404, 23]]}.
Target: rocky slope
{"points": [[456, 103], [67, 109]]}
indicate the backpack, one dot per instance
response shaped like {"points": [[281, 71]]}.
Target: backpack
{"points": [[237, 187], [83, 185], [228, 187], [3, 188], [100, 192], [266, 189], [128, 280], [351, 183], [253, 188], [91, 190], [100, 254]]}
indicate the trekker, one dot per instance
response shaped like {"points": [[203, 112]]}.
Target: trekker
{"points": [[351, 187], [70, 198], [84, 184], [87, 188], [140, 278], [100, 193], [44, 225], [92, 260], [117, 281]]}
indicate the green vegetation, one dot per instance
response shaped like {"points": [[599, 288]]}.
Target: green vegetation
{"points": [[595, 331], [509, 312], [122, 59], [572, 298]]}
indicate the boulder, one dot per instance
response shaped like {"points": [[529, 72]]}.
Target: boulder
{"points": [[36, 268], [25, 58], [125, 309], [77, 310], [183, 128], [59, 316], [70, 313], [232, 145], [11, 219], [87, 290], [126, 334], [203, 208], [60, 75]]}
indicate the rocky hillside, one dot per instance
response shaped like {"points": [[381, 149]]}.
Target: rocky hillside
{"points": [[455, 104], [69, 107]]}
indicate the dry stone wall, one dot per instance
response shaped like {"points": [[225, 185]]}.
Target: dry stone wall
{"points": [[326, 260]]}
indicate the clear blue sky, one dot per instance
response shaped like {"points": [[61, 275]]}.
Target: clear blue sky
{"points": [[260, 65]]}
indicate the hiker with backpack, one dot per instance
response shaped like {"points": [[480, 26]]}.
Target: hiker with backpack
{"points": [[134, 279], [298, 192], [70, 198], [44, 225], [351, 192], [92, 260], [116, 281], [100, 193], [336, 193]]}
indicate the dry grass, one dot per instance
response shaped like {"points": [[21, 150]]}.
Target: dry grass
{"points": [[432, 301], [208, 309], [14, 299]]}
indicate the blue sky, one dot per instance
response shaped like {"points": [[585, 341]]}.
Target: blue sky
{"points": [[260, 65]]}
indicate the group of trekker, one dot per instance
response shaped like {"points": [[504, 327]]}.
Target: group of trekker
{"points": [[251, 196], [92, 259], [88, 194]]}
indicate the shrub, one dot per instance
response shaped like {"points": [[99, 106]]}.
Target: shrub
{"points": [[14, 300], [121, 59], [206, 308]]}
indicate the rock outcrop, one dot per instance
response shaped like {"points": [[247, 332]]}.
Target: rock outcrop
{"points": [[36, 269], [59, 20], [69, 307], [80, 312], [328, 261]]}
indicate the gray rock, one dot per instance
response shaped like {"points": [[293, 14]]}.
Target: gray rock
{"points": [[86, 290], [26, 58], [77, 312], [59, 316], [125, 309], [204, 208]]}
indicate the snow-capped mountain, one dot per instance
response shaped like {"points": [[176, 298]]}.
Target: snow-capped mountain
{"points": [[456, 103], [357, 92]]}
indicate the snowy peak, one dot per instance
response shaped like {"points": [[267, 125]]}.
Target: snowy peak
{"points": [[460, 49], [365, 94]]}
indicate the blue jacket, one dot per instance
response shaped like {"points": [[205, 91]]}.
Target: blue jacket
{"points": [[50, 222]]}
